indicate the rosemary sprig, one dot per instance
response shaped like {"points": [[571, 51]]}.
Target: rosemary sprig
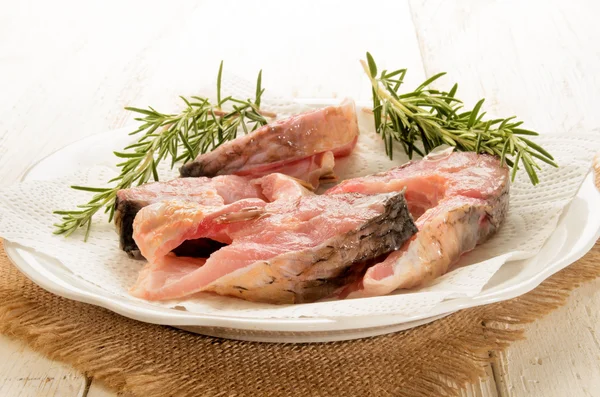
{"points": [[433, 118], [199, 128]]}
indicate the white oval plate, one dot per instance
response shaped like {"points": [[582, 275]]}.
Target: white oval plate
{"points": [[577, 231]]}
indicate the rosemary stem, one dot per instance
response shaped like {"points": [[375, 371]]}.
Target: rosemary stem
{"points": [[271, 115], [382, 92]]}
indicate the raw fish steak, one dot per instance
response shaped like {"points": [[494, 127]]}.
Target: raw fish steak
{"points": [[302, 146], [459, 201], [215, 191], [298, 248]]}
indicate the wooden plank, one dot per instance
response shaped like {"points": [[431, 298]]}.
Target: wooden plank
{"points": [[68, 76], [486, 387], [25, 373], [538, 60], [561, 355], [97, 389]]}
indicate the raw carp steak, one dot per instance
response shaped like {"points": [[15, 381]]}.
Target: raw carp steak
{"points": [[459, 201], [299, 248], [302, 146], [215, 191]]}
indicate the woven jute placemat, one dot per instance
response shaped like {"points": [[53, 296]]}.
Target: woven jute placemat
{"points": [[148, 360]]}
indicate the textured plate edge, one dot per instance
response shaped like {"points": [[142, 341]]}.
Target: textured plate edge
{"points": [[307, 337]]}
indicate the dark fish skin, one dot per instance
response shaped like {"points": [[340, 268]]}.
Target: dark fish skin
{"points": [[312, 274], [498, 211], [125, 212], [202, 190]]}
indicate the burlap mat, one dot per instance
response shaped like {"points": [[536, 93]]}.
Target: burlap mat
{"points": [[150, 360]]}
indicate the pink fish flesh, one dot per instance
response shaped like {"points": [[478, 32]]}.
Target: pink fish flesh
{"points": [[217, 191], [459, 201], [298, 248], [274, 147]]}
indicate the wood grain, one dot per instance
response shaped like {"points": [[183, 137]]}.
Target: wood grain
{"points": [[486, 387], [538, 60], [97, 389], [561, 355], [25, 373]]}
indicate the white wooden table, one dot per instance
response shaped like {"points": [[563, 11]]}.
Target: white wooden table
{"points": [[68, 68]]}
